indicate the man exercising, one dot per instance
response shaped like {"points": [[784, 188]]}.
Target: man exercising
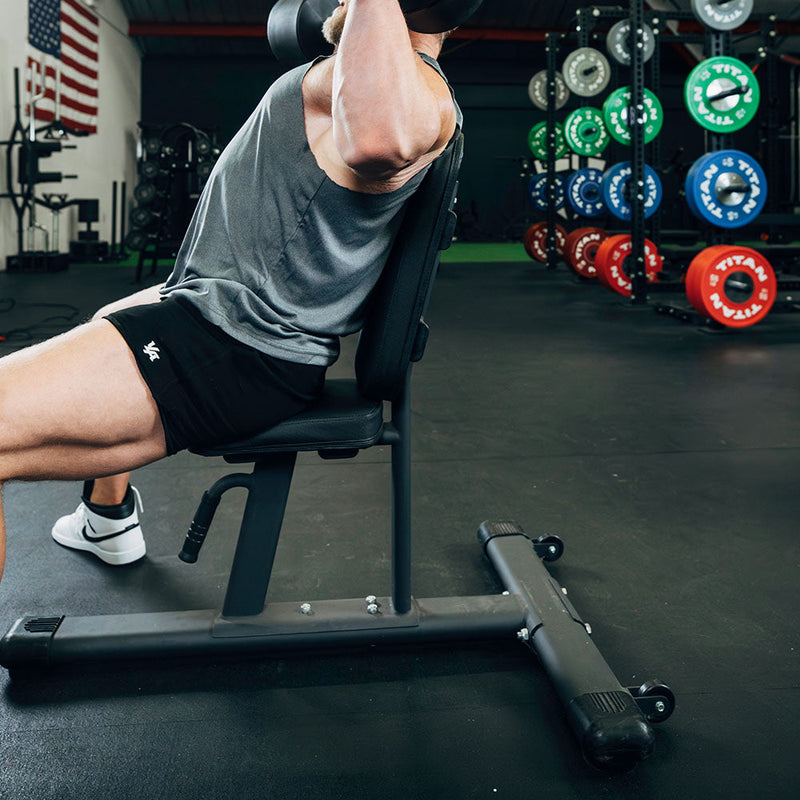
{"points": [[288, 239]]}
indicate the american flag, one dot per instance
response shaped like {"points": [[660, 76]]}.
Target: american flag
{"points": [[65, 31]]}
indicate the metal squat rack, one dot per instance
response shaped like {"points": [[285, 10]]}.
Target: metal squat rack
{"points": [[587, 18]]}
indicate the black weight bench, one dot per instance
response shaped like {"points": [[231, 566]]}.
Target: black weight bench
{"points": [[611, 723]]}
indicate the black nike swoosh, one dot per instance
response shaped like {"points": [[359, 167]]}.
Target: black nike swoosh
{"points": [[95, 539]]}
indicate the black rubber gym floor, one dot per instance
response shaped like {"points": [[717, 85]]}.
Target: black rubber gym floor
{"points": [[668, 460]]}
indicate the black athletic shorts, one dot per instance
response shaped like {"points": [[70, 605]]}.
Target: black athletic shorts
{"points": [[211, 388]]}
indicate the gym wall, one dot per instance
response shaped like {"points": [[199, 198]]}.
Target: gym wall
{"points": [[98, 160]]}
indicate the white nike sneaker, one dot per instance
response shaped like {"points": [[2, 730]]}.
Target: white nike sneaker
{"points": [[115, 541]]}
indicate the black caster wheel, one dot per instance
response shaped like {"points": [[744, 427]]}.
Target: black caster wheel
{"points": [[663, 708], [549, 548]]}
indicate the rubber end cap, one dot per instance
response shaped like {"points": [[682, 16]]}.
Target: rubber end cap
{"points": [[615, 735], [490, 530]]}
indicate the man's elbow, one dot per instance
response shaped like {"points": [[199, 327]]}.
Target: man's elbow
{"points": [[378, 157], [376, 165]]}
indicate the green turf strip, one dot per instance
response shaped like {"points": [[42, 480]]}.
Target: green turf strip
{"points": [[470, 253], [458, 253]]}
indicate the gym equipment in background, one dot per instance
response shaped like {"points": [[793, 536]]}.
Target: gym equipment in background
{"points": [[31, 145], [175, 161], [722, 15], [585, 192], [585, 132], [535, 240], [30, 150], [537, 90], [88, 248], [616, 114], [618, 194], [537, 141], [580, 250], [537, 191], [613, 260], [722, 94], [726, 188], [733, 285], [620, 38], [586, 71]]}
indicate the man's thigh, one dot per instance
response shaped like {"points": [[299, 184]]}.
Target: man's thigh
{"points": [[76, 406]]}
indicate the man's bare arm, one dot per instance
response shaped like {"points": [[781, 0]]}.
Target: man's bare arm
{"points": [[389, 108]]}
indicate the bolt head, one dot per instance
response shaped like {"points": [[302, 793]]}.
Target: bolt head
{"points": [[660, 706], [305, 608], [373, 608], [523, 634], [369, 599]]}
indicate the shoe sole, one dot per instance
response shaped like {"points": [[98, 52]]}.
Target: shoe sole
{"points": [[115, 559]]}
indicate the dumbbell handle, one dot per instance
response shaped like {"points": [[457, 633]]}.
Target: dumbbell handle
{"points": [[729, 93]]}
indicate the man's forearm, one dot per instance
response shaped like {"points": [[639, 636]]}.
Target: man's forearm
{"points": [[384, 113]]}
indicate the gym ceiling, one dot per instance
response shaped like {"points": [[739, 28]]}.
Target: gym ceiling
{"points": [[237, 27]]}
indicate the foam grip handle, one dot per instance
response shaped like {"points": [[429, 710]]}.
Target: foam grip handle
{"points": [[199, 528]]}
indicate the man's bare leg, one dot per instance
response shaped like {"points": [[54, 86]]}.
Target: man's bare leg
{"points": [[75, 408], [111, 490]]}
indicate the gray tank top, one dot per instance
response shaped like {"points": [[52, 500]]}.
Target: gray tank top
{"points": [[278, 255]]}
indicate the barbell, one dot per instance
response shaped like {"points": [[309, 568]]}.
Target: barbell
{"points": [[294, 27]]}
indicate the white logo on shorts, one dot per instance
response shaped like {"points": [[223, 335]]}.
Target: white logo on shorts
{"points": [[152, 351]]}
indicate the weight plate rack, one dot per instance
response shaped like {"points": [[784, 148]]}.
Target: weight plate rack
{"points": [[728, 286], [583, 131], [731, 188]]}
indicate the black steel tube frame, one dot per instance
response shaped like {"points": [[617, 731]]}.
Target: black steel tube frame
{"points": [[122, 215], [20, 201], [771, 143], [553, 41], [612, 731], [719, 43], [113, 252], [636, 269], [610, 726], [401, 500], [655, 221], [280, 627]]}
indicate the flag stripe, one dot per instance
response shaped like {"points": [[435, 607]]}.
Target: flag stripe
{"points": [[67, 19], [80, 88], [84, 51], [82, 10], [75, 124], [66, 100], [71, 62]]}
